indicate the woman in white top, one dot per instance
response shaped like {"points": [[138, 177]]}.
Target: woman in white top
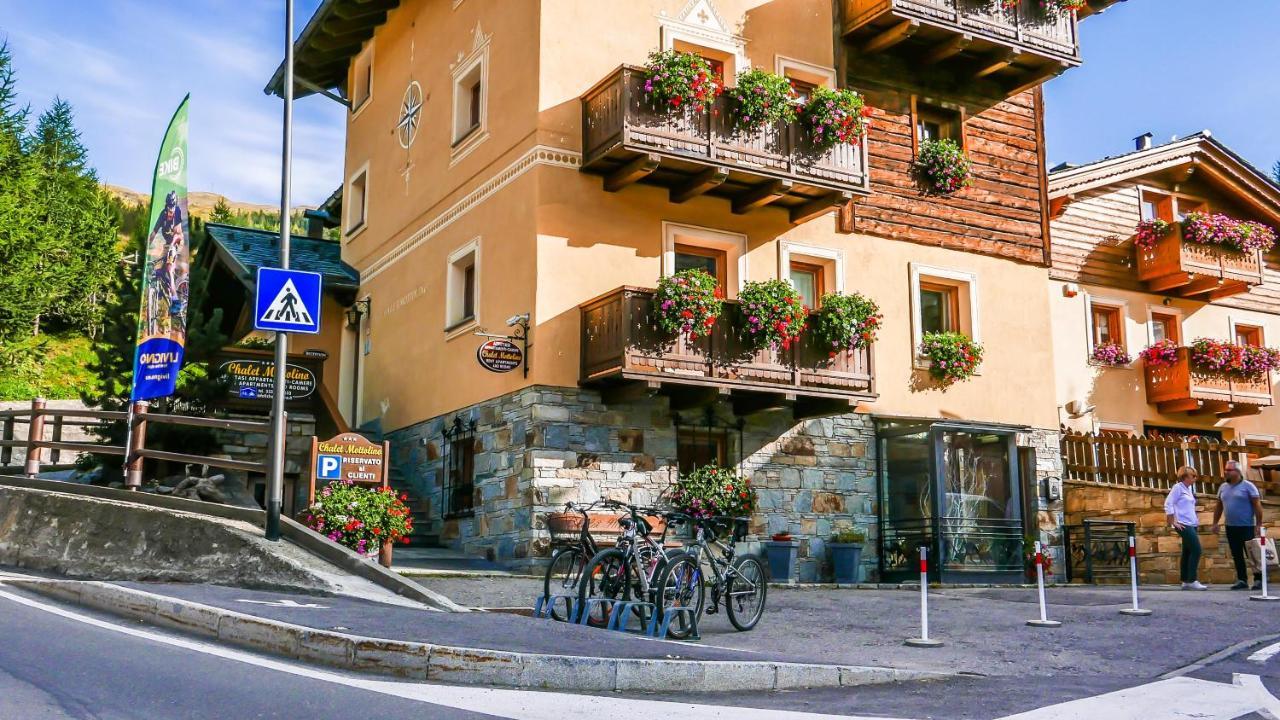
{"points": [[1180, 511]]}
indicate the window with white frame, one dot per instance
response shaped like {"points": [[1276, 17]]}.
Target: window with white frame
{"points": [[943, 300], [1106, 323], [723, 255], [362, 78], [471, 98], [814, 271], [356, 202], [804, 76], [463, 286], [1164, 323]]}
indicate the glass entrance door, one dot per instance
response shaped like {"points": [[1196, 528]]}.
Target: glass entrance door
{"points": [[956, 490]]}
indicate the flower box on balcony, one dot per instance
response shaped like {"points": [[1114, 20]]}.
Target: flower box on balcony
{"points": [[1174, 265], [622, 343], [1182, 387]]}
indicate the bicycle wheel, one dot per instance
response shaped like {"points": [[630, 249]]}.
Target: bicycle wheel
{"points": [[745, 592], [680, 585], [607, 575], [563, 577]]}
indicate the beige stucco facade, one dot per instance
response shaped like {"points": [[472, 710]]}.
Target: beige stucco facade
{"points": [[551, 238]]}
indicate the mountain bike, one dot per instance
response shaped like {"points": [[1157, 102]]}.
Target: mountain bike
{"points": [[628, 570], [740, 582], [567, 562]]}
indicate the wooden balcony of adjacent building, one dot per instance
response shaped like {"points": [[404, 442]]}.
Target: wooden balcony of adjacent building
{"points": [[1182, 388], [1176, 266], [627, 138], [626, 355], [1013, 49]]}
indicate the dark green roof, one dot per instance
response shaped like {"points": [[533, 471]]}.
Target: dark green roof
{"points": [[245, 250]]}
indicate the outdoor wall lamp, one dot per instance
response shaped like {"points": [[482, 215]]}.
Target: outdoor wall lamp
{"points": [[358, 309]]}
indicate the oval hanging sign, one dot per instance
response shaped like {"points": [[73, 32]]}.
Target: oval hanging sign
{"points": [[499, 355]]}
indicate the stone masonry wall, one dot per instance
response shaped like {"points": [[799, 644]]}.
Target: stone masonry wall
{"points": [[541, 447], [1159, 548]]}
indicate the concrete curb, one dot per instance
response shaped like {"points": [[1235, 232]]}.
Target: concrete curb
{"points": [[464, 666]]}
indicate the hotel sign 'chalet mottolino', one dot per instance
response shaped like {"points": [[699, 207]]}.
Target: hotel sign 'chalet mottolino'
{"points": [[347, 457]]}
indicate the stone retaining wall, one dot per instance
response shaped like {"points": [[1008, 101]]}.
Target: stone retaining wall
{"points": [[1159, 548]]}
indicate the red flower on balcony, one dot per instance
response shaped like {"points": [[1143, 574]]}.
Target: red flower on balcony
{"points": [[1161, 354], [1150, 232]]}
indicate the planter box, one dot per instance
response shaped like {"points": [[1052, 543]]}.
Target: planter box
{"points": [[846, 562], [782, 556]]}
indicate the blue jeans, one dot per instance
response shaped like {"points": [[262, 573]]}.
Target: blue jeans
{"points": [[1190, 564]]}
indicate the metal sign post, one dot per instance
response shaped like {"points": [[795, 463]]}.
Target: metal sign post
{"points": [[924, 640], [1133, 573], [275, 480]]}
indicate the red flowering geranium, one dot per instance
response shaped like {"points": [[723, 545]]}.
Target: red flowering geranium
{"points": [[1219, 229], [681, 79], [942, 166], [1245, 361], [1161, 354], [1110, 354], [832, 117], [711, 490], [1150, 232], [688, 302], [773, 312], [360, 517], [952, 356], [848, 322]]}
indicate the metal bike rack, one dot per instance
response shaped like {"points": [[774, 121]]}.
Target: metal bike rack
{"points": [[618, 619], [671, 613], [545, 606], [584, 612]]}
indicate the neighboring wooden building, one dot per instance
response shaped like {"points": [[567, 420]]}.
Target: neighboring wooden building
{"points": [[1104, 289], [500, 162]]}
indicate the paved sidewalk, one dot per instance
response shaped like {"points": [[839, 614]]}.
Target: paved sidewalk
{"points": [[984, 629]]}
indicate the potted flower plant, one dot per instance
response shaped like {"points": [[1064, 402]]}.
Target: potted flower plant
{"points": [[681, 80], [688, 302], [1110, 354], [952, 356], [367, 520], [711, 490], [773, 313], [1225, 231], [782, 551], [1150, 232], [846, 555], [1161, 354], [760, 99], [942, 167], [832, 117], [848, 322]]}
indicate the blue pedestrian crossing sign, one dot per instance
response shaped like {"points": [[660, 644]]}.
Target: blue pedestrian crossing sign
{"points": [[287, 301]]}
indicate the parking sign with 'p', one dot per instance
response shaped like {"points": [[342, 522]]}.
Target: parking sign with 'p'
{"points": [[328, 467]]}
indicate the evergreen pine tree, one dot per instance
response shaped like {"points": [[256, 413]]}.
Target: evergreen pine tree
{"points": [[19, 252], [222, 213]]}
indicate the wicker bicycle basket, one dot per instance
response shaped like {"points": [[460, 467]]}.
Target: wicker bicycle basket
{"points": [[565, 527]]}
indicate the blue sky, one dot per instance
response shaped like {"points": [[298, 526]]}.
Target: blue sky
{"points": [[1173, 67]]}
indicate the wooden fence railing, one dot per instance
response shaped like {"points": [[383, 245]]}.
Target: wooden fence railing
{"points": [[1138, 462], [39, 418]]}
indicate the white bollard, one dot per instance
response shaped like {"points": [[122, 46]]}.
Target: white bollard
{"points": [[1133, 573], [924, 640], [1044, 620], [1262, 550]]}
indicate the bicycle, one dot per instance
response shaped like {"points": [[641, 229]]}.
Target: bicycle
{"points": [[564, 573], [626, 571], [740, 582]]}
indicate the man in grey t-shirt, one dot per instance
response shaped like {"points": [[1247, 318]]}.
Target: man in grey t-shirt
{"points": [[1239, 500]]}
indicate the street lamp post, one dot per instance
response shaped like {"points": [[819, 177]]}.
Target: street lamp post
{"points": [[275, 481]]}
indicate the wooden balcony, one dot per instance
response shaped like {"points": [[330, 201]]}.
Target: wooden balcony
{"points": [[1205, 272], [1179, 388], [626, 138], [626, 354], [1011, 49]]}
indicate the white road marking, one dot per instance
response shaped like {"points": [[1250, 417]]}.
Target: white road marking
{"points": [[1173, 699], [1265, 654], [513, 704], [284, 603]]}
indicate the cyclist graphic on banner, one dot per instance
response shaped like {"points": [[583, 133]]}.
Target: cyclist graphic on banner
{"points": [[167, 271]]}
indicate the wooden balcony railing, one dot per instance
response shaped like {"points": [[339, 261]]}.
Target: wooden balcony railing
{"points": [[1016, 47], [627, 138], [622, 342], [1182, 388], [1175, 266]]}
